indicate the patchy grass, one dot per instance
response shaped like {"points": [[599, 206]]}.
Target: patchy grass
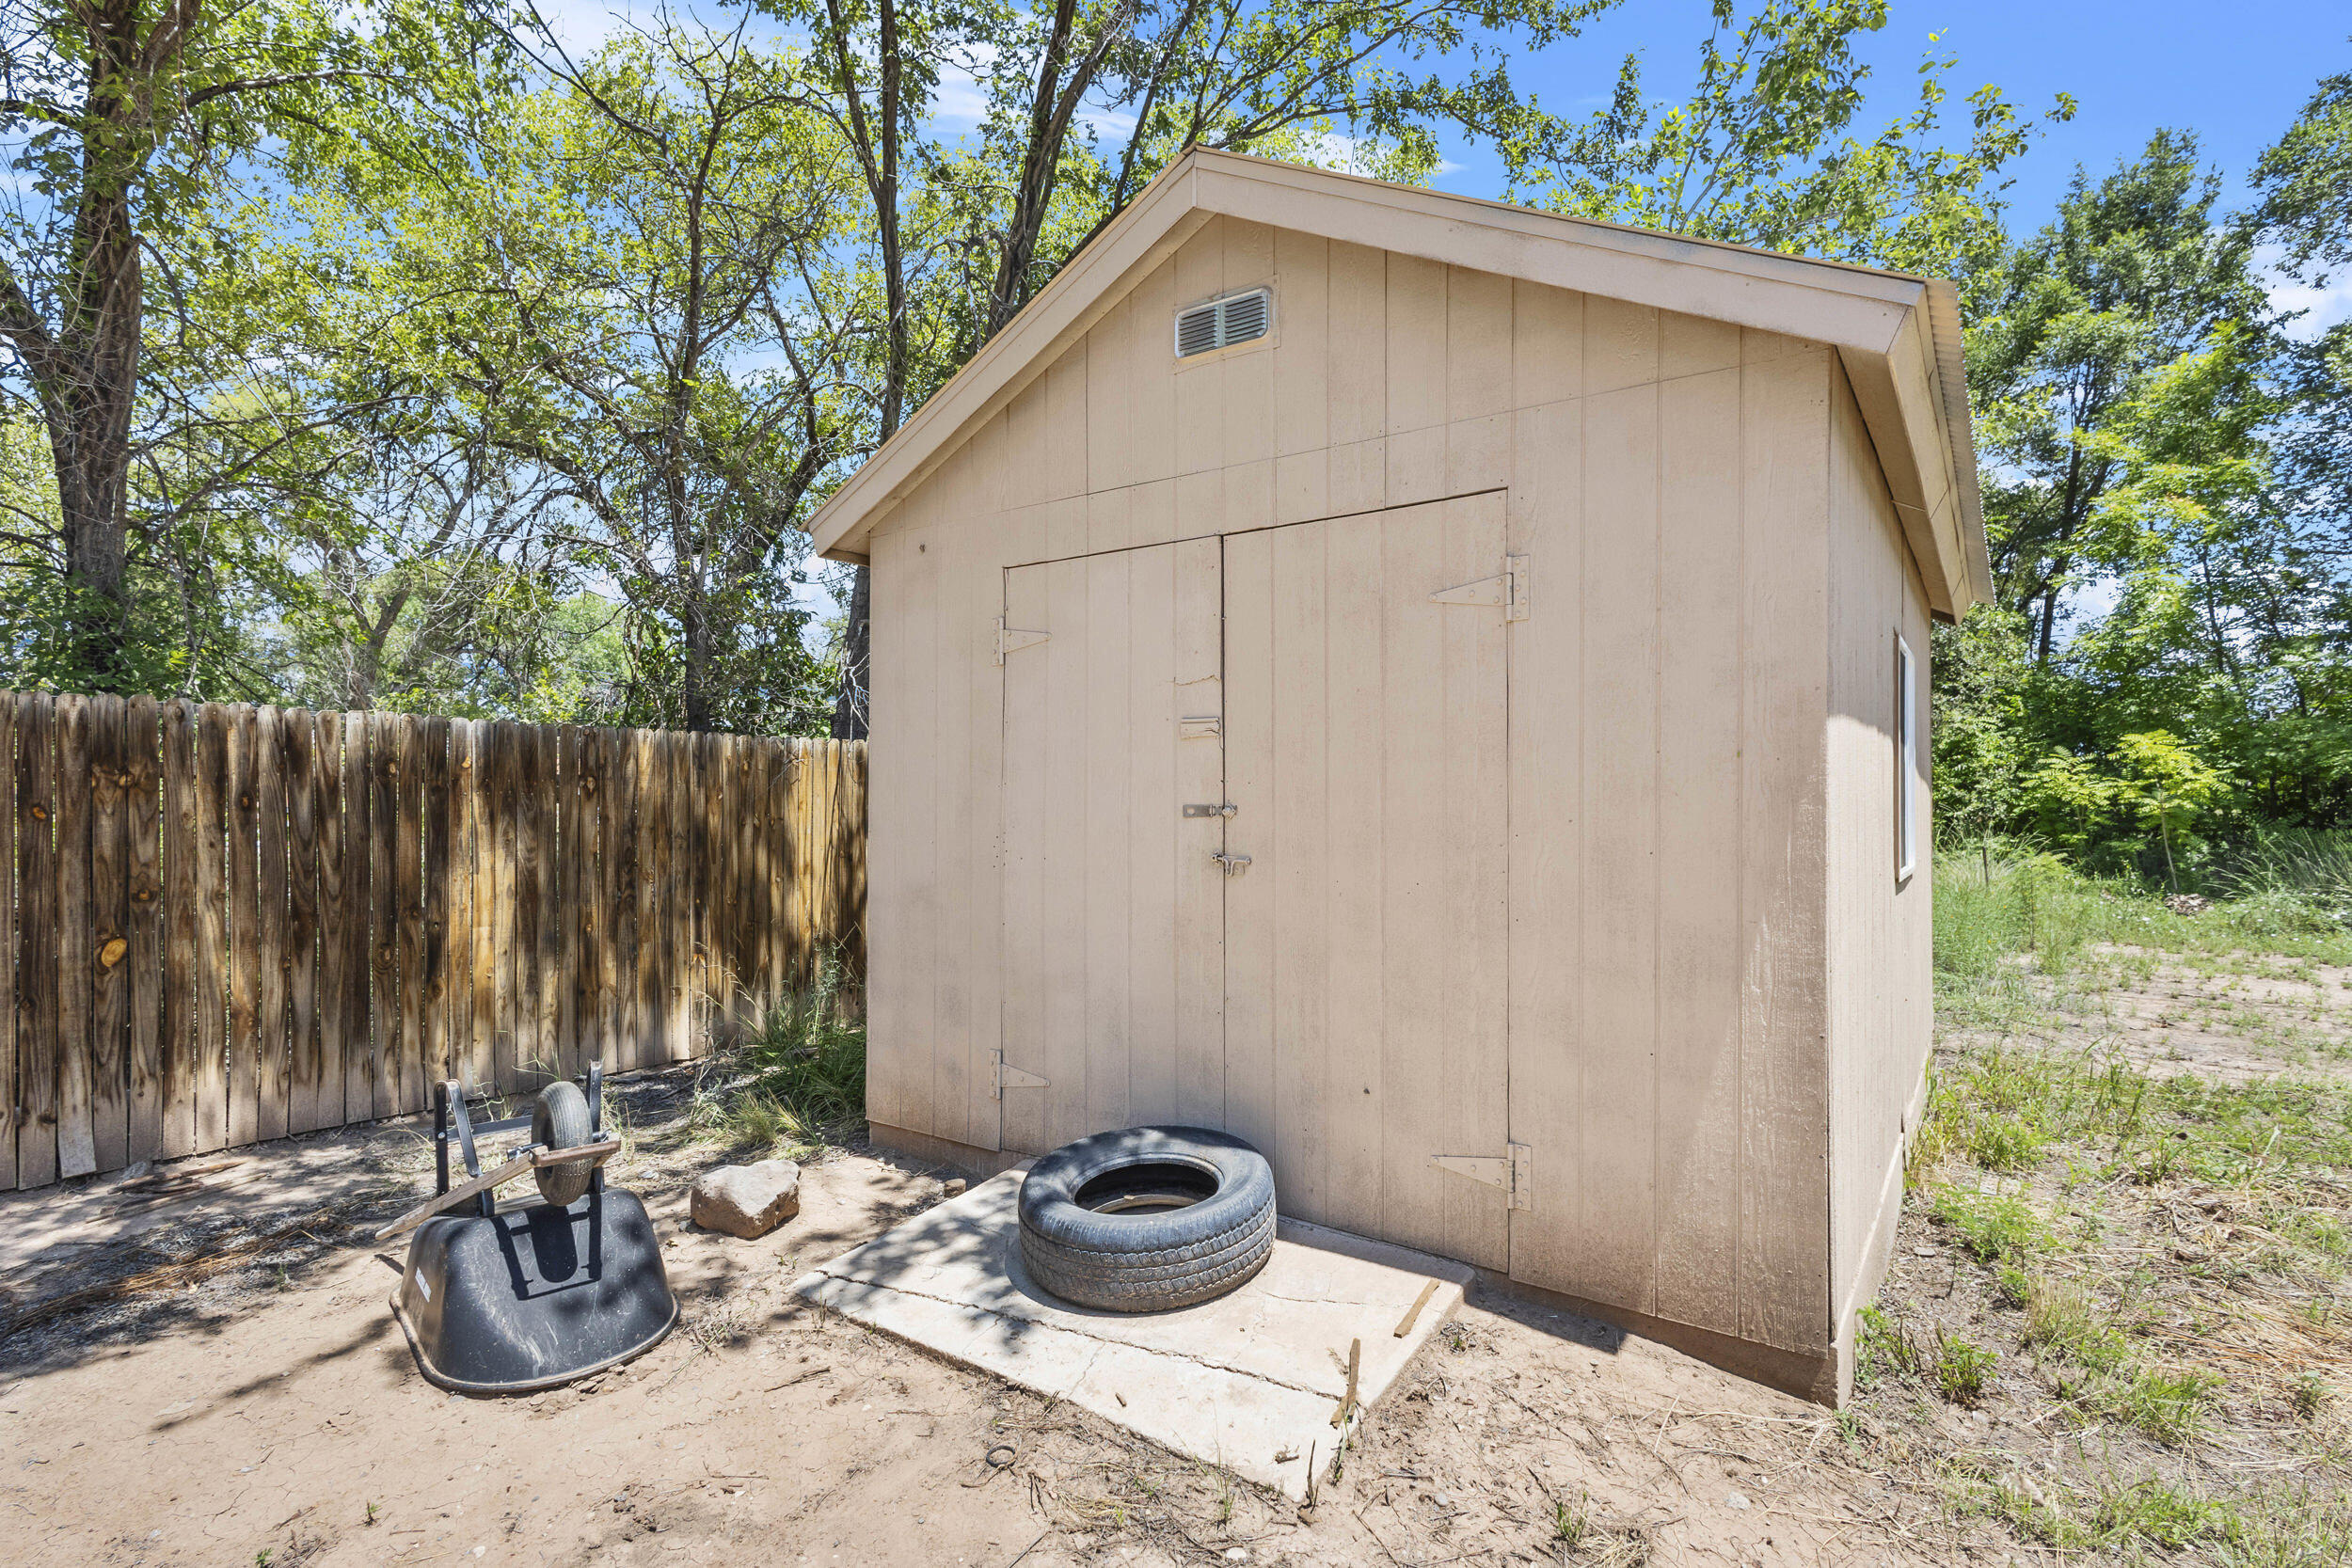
{"points": [[2128, 1284]]}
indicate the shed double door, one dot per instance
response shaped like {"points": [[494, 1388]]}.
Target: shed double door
{"points": [[1340, 1000]]}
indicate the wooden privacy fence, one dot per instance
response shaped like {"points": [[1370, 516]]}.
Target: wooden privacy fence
{"points": [[226, 923]]}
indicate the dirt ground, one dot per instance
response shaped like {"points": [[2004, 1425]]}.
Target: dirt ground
{"points": [[252, 1402], [270, 1412]]}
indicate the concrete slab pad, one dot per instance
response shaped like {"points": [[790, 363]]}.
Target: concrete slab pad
{"points": [[1236, 1381]]}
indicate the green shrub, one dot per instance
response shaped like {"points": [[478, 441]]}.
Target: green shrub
{"points": [[1962, 1367], [1996, 1228], [800, 1075], [1884, 1350], [2067, 1320], [2168, 1403]]}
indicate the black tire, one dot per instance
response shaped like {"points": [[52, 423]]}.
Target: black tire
{"points": [[1100, 1224], [559, 1118]]}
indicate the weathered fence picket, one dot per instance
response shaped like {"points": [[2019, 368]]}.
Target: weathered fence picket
{"points": [[221, 923]]}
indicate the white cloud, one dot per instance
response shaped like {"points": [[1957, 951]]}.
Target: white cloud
{"points": [[960, 97], [2322, 308], [580, 25]]}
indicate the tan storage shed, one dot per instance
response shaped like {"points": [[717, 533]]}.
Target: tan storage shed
{"points": [[1437, 689]]}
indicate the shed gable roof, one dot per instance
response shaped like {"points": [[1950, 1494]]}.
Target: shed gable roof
{"points": [[1897, 336]]}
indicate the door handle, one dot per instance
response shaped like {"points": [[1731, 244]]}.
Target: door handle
{"points": [[1235, 864]]}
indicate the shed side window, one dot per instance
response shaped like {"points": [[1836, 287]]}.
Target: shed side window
{"points": [[1906, 765]]}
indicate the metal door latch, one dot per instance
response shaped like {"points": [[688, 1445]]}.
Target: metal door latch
{"points": [[1235, 864], [1228, 809], [1515, 1172]]}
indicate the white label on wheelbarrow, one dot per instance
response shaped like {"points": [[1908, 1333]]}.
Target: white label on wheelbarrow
{"points": [[424, 1287]]}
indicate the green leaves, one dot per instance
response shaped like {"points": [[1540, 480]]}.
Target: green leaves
{"points": [[1764, 153]]}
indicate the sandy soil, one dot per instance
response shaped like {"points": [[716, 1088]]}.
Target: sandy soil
{"points": [[271, 1413], [2250, 1017]]}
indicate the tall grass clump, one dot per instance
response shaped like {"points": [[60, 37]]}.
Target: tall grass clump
{"points": [[2003, 914], [2292, 880], [798, 1080]]}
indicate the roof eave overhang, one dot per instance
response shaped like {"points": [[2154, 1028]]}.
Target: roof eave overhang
{"points": [[1897, 336]]}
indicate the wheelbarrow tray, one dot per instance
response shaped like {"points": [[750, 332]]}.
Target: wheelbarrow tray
{"points": [[534, 1296]]}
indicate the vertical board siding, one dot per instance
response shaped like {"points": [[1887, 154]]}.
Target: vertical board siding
{"points": [[1644, 999], [9, 1108], [177, 1090], [1880, 1013], [77, 1151], [109, 943], [270, 901], [224, 924]]}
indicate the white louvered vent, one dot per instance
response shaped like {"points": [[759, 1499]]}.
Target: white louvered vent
{"points": [[1223, 322]]}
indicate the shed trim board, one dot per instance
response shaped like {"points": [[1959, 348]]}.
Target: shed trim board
{"points": [[1899, 335], [1451, 742]]}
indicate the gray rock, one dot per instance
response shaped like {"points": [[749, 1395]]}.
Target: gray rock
{"points": [[952, 1187], [747, 1200]]}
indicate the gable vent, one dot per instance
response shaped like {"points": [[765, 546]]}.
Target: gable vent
{"points": [[1223, 322]]}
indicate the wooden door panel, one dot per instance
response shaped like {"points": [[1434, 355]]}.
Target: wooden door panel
{"points": [[1366, 993], [1113, 926]]}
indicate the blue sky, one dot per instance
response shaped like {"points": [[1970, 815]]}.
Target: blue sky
{"points": [[2235, 74]]}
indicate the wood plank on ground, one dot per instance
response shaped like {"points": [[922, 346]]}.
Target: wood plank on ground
{"points": [[78, 1153], [142, 768]]}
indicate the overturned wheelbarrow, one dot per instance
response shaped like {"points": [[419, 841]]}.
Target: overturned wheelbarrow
{"points": [[505, 1298]]}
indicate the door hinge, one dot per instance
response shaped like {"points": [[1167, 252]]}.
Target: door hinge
{"points": [[1514, 1172], [1012, 642], [1509, 591], [1006, 1077]]}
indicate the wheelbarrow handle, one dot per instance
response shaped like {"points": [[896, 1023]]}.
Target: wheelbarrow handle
{"points": [[459, 1194], [527, 1158], [601, 1151]]}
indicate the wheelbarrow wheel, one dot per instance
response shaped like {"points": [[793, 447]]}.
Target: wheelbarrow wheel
{"points": [[559, 1120]]}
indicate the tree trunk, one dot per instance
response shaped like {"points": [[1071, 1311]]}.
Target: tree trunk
{"points": [[849, 709], [87, 396]]}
